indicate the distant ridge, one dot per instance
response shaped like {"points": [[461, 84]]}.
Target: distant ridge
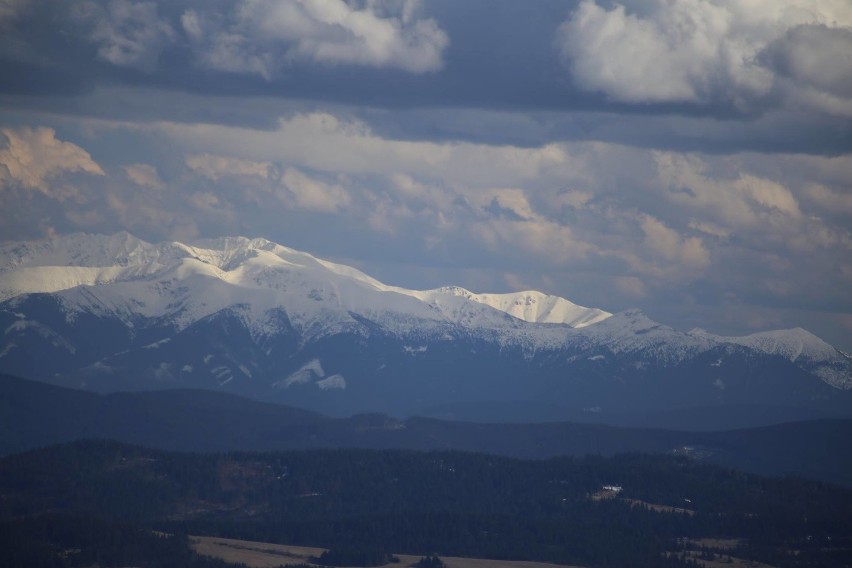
{"points": [[34, 414]]}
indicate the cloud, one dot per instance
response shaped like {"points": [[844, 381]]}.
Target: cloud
{"points": [[205, 201], [665, 216], [709, 229], [447, 190], [617, 224], [549, 241], [9, 9], [144, 175], [816, 55], [313, 194], [34, 156], [813, 67], [631, 286], [145, 214], [216, 167], [511, 203], [706, 51], [127, 33], [741, 202], [292, 187], [575, 199], [325, 142], [671, 246], [264, 36], [668, 56], [386, 216], [829, 200]]}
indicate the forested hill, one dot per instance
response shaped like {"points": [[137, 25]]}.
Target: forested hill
{"points": [[34, 414], [451, 503]]}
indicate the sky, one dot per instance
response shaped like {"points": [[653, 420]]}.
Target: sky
{"points": [[690, 158]]}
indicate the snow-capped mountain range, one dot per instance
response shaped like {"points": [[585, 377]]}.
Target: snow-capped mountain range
{"points": [[125, 276], [103, 309]]}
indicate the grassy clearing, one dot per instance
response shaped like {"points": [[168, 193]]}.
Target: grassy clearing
{"points": [[659, 508], [251, 553], [716, 544], [721, 560], [607, 494], [267, 555]]}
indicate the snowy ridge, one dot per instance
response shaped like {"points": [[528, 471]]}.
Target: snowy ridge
{"points": [[633, 332], [799, 345], [256, 280], [530, 306], [790, 343], [127, 277]]}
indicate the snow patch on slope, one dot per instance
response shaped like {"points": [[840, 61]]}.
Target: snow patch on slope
{"points": [[334, 382], [41, 330], [307, 373], [312, 372]]}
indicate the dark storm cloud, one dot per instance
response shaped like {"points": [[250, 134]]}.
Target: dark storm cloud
{"points": [[257, 46], [393, 53], [525, 73]]}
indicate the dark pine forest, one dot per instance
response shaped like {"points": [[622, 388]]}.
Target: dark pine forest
{"points": [[112, 504]]}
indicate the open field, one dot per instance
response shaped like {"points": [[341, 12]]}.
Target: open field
{"points": [[251, 553], [267, 555], [723, 561]]}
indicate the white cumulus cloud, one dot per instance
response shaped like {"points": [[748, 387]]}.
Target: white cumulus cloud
{"points": [[703, 51], [829, 199], [741, 202], [306, 192], [32, 157], [672, 246]]}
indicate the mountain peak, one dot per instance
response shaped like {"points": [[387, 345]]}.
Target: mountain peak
{"points": [[256, 272], [531, 306], [791, 343]]}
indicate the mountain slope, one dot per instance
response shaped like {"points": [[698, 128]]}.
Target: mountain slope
{"points": [[255, 318]]}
